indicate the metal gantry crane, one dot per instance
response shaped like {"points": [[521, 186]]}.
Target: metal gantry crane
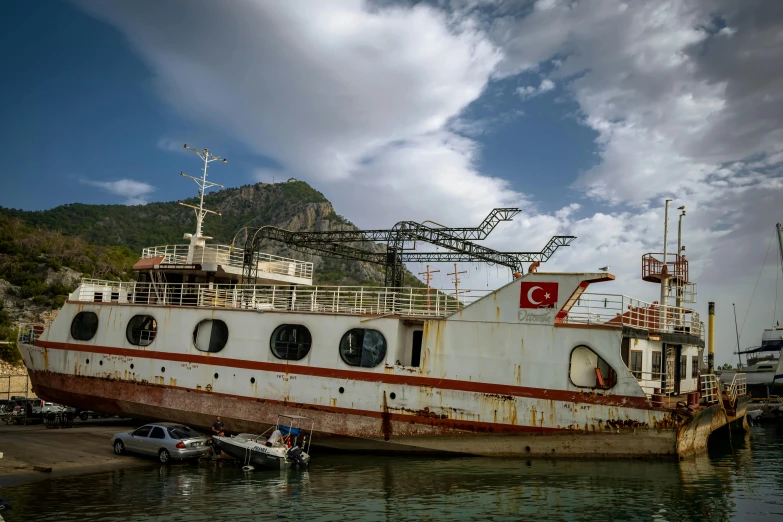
{"points": [[400, 240]]}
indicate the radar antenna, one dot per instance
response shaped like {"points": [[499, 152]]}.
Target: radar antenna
{"points": [[198, 239]]}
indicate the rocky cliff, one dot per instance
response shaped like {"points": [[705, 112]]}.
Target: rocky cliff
{"points": [[292, 206]]}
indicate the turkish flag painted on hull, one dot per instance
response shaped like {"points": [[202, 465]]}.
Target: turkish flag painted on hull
{"points": [[537, 295]]}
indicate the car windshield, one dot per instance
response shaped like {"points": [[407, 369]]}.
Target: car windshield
{"points": [[182, 432]]}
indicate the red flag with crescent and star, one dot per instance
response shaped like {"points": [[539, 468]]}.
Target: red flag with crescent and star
{"points": [[538, 295]]}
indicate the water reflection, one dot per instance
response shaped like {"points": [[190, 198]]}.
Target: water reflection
{"points": [[742, 481]]}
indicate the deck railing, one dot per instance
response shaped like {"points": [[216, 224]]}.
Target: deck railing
{"points": [[227, 256], [29, 332], [709, 388], [325, 299], [621, 310], [737, 388]]}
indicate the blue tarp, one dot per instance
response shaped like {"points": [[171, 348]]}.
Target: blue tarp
{"points": [[285, 430]]}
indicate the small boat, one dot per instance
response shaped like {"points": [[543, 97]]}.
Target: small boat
{"points": [[287, 446], [764, 365], [767, 409]]}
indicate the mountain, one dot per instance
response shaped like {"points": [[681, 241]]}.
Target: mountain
{"points": [[39, 267], [44, 254], [291, 205]]}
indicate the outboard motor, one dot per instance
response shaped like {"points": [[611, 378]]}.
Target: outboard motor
{"points": [[295, 453]]}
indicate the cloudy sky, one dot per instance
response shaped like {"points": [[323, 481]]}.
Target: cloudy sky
{"points": [[586, 115]]}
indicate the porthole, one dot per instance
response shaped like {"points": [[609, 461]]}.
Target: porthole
{"points": [[84, 326], [216, 376], [100, 363], [291, 342], [341, 390], [252, 380], [131, 366], [162, 369], [88, 361], [363, 347], [393, 395], [141, 330], [210, 335]]}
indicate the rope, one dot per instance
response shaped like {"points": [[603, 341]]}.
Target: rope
{"points": [[756, 286], [726, 414], [777, 277]]}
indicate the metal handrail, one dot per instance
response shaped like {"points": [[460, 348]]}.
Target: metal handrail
{"points": [[621, 310], [676, 265], [709, 388], [29, 332], [331, 299], [225, 255], [738, 387]]}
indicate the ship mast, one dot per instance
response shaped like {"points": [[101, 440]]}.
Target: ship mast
{"points": [[779, 228], [664, 271], [198, 239]]}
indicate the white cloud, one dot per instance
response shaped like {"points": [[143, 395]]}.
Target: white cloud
{"points": [[365, 102], [530, 91], [682, 109], [135, 192], [328, 89]]}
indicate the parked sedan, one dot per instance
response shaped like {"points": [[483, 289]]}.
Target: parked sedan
{"points": [[165, 440]]}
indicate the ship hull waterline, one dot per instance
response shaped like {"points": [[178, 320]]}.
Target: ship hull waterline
{"points": [[375, 432]]}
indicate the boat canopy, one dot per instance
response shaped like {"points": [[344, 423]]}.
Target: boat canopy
{"points": [[285, 430]]}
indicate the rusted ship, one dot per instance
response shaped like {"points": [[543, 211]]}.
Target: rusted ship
{"points": [[537, 367]]}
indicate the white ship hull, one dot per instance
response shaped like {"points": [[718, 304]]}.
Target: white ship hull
{"points": [[492, 379]]}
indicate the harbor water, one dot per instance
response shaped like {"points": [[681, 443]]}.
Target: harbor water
{"points": [[740, 481]]}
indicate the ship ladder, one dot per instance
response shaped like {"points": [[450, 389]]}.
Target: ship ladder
{"points": [[247, 466]]}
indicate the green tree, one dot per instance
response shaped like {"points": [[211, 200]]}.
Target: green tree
{"points": [[9, 351]]}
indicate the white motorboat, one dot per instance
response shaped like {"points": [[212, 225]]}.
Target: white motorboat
{"points": [[287, 446], [761, 370], [768, 409], [760, 373]]}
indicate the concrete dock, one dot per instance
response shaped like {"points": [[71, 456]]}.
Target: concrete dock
{"points": [[85, 448]]}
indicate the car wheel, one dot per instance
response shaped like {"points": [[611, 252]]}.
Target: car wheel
{"points": [[119, 447], [164, 456], [84, 415]]}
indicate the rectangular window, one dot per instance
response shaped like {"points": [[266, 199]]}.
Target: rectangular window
{"points": [[416, 348], [683, 367], [636, 363], [694, 366], [656, 365]]}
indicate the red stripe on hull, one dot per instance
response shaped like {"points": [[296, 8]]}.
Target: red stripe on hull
{"points": [[104, 393], [357, 375], [348, 429]]}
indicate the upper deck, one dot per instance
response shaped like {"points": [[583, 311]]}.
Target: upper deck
{"points": [[589, 309], [229, 260]]}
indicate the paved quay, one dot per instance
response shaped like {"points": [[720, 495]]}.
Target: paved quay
{"points": [[85, 448]]}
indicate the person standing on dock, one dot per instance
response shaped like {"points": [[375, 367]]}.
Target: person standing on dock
{"points": [[217, 426], [217, 429]]}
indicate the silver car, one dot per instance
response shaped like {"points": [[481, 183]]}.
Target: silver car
{"points": [[165, 440]]}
